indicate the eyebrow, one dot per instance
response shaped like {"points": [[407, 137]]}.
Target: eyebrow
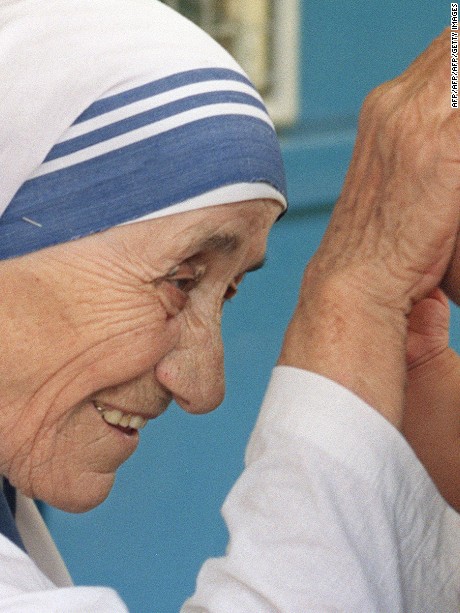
{"points": [[222, 242], [225, 243]]}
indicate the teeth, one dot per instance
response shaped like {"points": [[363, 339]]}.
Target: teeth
{"points": [[117, 418], [124, 421], [112, 417], [137, 422]]}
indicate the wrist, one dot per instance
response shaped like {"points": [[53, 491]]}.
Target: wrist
{"points": [[343, 333]]}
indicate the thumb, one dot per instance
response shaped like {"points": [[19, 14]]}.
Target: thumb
{"points": [[428, 328]]}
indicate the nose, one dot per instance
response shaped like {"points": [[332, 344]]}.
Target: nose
{"points": [[193, 372]]}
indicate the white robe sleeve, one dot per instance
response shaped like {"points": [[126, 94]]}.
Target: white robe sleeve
{"points": [[333, 512], [39, 582], [23, 587]]}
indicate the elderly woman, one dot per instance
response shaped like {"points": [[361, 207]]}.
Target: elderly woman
{"points": [[140, 177]]}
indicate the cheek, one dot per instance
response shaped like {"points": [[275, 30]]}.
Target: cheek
{"points": [[105, 348], [134, 349]]}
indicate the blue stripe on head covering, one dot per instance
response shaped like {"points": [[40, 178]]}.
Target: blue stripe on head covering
{"points": [[149, 117], [161, 86], [142, 151]]}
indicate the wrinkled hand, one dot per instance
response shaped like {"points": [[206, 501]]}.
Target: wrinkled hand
{"points": [[431, 420], [390, 239], [396, 222]]}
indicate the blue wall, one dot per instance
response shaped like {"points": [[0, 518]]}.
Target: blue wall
{"points": [[345, 52], [162, 519]]}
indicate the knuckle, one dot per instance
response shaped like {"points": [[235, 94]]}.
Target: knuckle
{"points": [[379, 105], [374, 100]]}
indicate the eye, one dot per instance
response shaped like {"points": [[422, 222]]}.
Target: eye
{"points": [[232, 289], [184, 277]]}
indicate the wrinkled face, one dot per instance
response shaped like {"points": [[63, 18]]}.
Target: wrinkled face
{"points": [[98, 335]]}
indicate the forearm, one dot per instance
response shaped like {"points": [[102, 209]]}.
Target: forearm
{"points": [[339, 333]]}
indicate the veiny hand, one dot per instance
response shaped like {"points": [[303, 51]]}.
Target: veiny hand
{"points": [[396, 222], [390, 238], [431, 421]]}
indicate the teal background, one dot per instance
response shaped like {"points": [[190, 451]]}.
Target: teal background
{"points": [[149, 539]]}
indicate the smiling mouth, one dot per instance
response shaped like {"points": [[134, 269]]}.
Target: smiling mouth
{"points": [[125, 421]]}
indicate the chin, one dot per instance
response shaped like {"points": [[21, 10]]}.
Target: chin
{"points": [[79, 498]]}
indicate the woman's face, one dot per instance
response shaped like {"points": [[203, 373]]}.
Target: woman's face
{"points": [[100, 334]]}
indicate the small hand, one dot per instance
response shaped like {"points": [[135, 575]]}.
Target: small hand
{"points": [[428, 329], [431, 421]]}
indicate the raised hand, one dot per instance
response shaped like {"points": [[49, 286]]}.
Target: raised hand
{"points": [[390, 239]]}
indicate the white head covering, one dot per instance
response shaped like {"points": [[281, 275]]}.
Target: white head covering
{"points": [[114, 111]]}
